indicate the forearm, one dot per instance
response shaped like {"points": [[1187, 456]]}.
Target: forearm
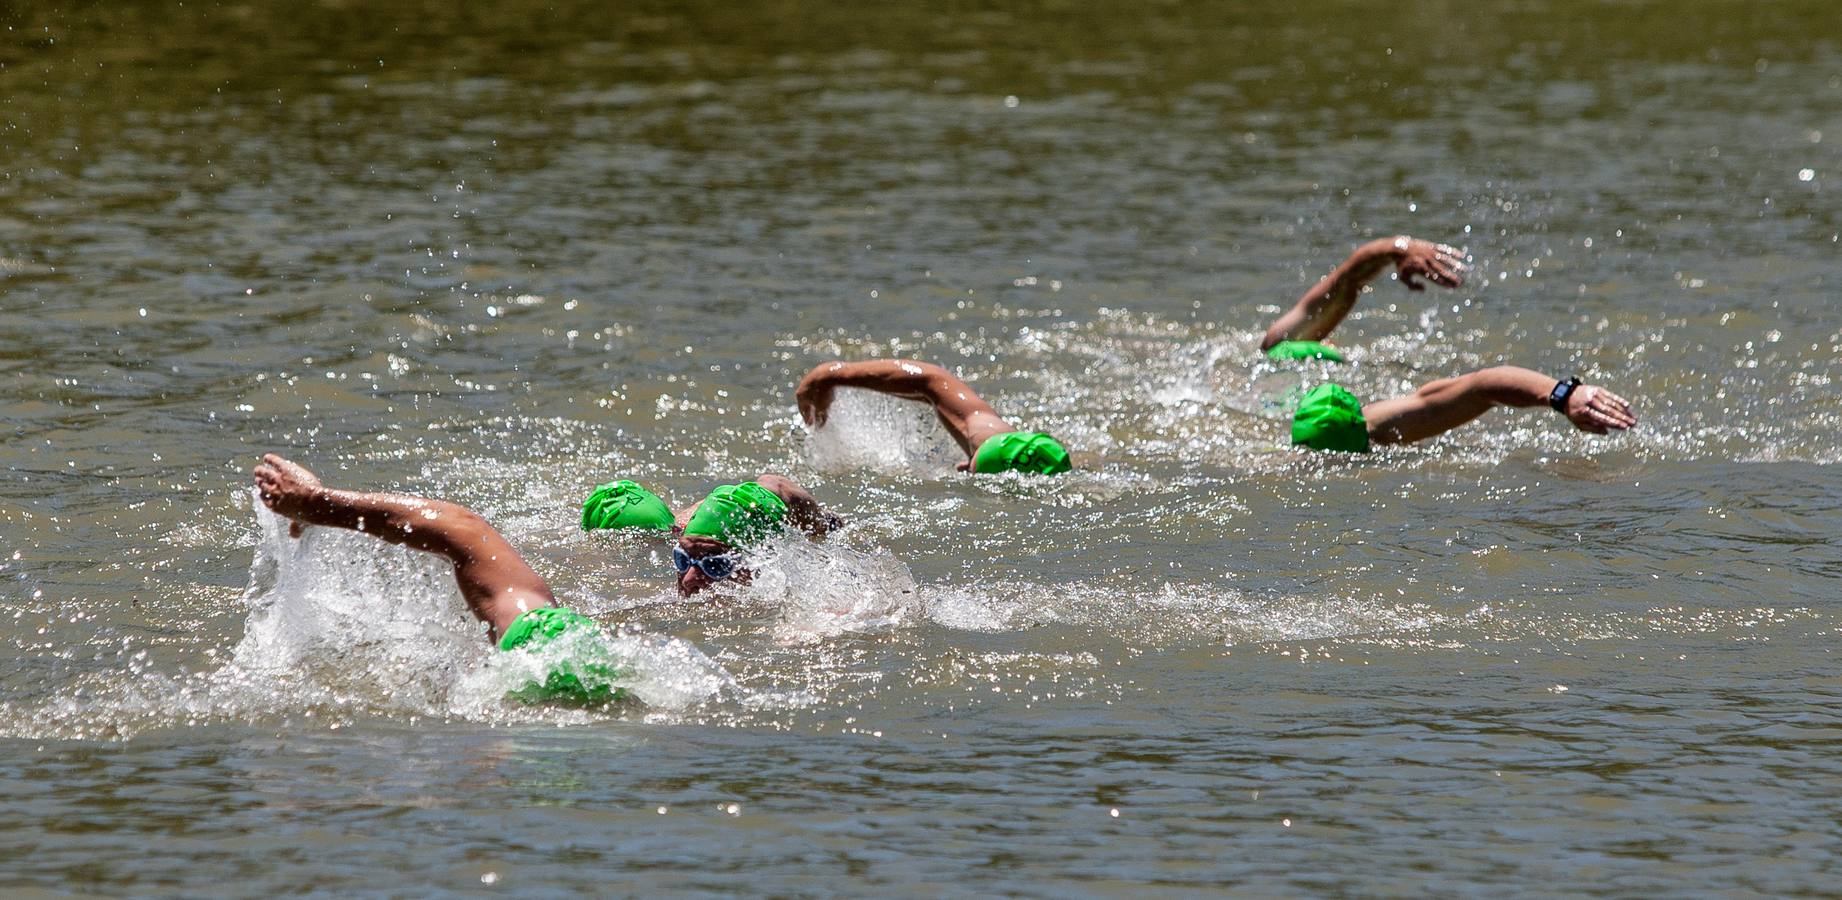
{"points": [[1326, 303], [433, 526], [1510, 386], [902, 378]]}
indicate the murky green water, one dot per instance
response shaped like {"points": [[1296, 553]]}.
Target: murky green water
{"points": [[498, 252]]}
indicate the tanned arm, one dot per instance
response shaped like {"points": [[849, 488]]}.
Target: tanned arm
{"points": [[1325, 305], [960, 409], [1440, 406], [803, 509], [493, 578]]}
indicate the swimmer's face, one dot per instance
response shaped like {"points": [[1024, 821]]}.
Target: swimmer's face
{"points": [[698, 547]]}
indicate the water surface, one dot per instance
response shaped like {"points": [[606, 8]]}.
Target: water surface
{"points": [[499, 252]]}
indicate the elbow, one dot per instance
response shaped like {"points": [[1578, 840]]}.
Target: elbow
{"points": [[817, 373], [926, 370], [440, 526]]}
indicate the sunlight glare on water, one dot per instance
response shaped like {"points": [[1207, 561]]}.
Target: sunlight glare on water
{"points": [[504, 254]]}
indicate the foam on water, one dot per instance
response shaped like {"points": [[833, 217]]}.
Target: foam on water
{"points": [[340, 625], [824, 590], [870, 430], [396, 614]]}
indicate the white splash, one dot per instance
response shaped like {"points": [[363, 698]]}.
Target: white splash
{"points": [[825, 590], [869, 430], [356, 610]]}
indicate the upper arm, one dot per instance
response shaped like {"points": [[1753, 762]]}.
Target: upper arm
{"points": [[962, 411], [496, 582], [802, 508]]}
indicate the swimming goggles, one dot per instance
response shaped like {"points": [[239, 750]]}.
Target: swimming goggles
{"points": [[718, 566]]}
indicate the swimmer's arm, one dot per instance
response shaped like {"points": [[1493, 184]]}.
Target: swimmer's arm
{"points": [[493, 578], [960, 409], [1326, 304], [1442, 405], [803, 509]]}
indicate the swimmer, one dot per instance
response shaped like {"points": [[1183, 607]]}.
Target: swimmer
{"points": [[714, 534], [990, 443], [1331, 418], [517, 606]]}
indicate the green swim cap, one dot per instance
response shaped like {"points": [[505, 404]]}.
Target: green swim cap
{"points": [[1021, 451], [1304, 350], [1330, 418], [738, 514], [624, 504], [587, 673]]}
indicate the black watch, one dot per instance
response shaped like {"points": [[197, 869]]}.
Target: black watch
{"points": [[1557, 398]]}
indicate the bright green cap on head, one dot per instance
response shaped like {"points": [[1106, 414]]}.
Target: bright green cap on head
{"points": [[584, 670], [1021, 451], [624, 504], [1330, 418], [1304, 350], [738, 514]]}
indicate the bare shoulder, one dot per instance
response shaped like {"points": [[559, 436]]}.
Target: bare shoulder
{"points": [[783, 487]]}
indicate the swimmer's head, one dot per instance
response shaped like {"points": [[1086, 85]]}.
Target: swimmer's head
{"points": [[1022, 451], [1330, 418], [732, 519], [1304, 350], [624, 504], [704, 561]]}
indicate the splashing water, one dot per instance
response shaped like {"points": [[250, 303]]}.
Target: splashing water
{"points": [[826, 590], [335, 592], [868, 430], [342, 624]]}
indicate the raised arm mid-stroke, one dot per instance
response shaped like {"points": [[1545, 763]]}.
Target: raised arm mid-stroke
{"points": [[1320, 309], [960, 409], [495, 581]]}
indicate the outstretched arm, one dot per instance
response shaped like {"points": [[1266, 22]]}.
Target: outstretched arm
{"points": [[492, 576], [1323, 306], [961, 410], [1440, 406]]}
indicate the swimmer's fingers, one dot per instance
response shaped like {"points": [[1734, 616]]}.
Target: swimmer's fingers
{"points": [[1450, 266], [268, 479], [814, 403], [1411, 278], [1609, 408], [1595, 409], [1444, 273]]}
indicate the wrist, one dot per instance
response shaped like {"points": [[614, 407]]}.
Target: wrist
{"points": [[1562, 391]]}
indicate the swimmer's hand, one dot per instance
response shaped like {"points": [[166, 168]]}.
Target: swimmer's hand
{"points": [[814, 397], [1595, 409], [286, 487], [1441, 264]]}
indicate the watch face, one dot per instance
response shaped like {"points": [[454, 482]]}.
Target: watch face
{"points": [[1558, 396]]}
